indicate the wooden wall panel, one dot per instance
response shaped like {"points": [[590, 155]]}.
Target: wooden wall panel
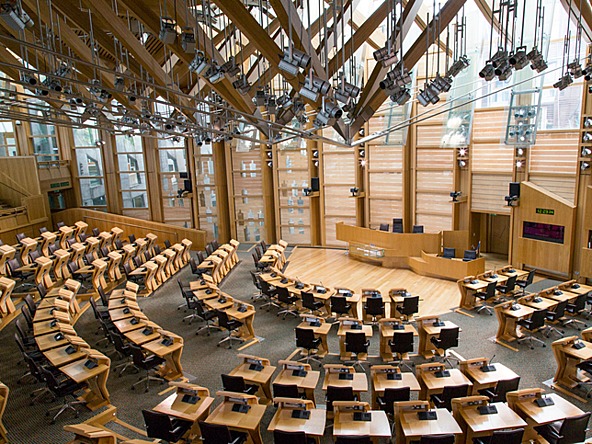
{"points": [[563, 185], [18, 179], [555, 153], [338, 201], [383, 211], [381, 158], [488, 191], [492, 158], [437, 204], [339, 168], [435, 158], [434, 224], [386, 185], [489, 125], [435, 181], [331, 232]]}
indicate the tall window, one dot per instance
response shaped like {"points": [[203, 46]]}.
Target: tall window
{"points": [[42, 136], [206, 191], [89, 162], [173, 176], [132, 176], [7, 139]]}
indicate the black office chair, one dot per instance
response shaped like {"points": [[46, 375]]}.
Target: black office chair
{"points": [[167, 243], [132, 238], [577, 308], [20, 237], [119, 244], [52, 248], [230, 325], [146, 363], [194, 268], [555, 317], [374, 307], [384, 227], [449, 253], [124, 350], [42, 230], [281, 437], [485, 296], [523, 283], [447, 339], [259, 251], [269, 293], [27, 316], [12, 266], [191, 304], [138, 262], [81, 277], [309, 302], [534, 324], [417, 229], [513, 436], [498, 393], [95, 232], [62, 389], [353, 440], [585, 367], [401, 344], [199, 257], [209, 249], [258, 294], [206, 315], [136, 279], [60, 225], [409, 308], [156, 249], [336, 393], [220, 434], [305, 339], [397, 225], [258, 266], [450, 392], [469, 255], [356, 344], [161, 426], [437, 439], [569, 431], [507, 289], [26, 336], [237, 384], [103, 296], [71, 241], [340, 306], [287, 301], [83, 237], [33, 255], [286, 391], [215, 244], [30, 302], [390, 396], [105, 252]]}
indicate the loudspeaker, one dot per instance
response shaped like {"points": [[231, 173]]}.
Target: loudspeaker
{"points": [[187, 185], [515, 189], [314, 184]]}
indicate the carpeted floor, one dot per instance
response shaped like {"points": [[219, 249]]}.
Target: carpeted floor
{"points": [[203, 362]]}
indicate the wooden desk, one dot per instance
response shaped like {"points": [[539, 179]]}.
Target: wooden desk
{"points": [[172, 368], [535, 415], [97, 395], [28, 245], [386, 333], [467, 287], [478, 425], [430, 264], [3, 400], [48, 238], [508, 320], [6, 288], [413, 428], [530, 300], [60, 266], [380, 382], [262, 378], [359, 383], [314, 426], [307, 383], [427, 330], [430, 384], [345, 425], [344, 329], [139, 338], [65, 234], [174, 405], [243, 422], [246, 331], [47, 342], [510, 271], [58, 356], [7, 252], [126, 325], [88, 434], [481, 380], [320, 332], [569, 286], [567, 357]]}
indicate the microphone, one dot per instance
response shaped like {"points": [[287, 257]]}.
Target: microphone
{"points": [[491, 360]]}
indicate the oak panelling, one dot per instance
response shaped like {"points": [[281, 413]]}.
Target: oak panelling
{"points": [[294, 216], [433, 223], [339, 168], [384, 158], [488, 192], [435, 181], [563, 185], [489, 125], [386, 185], [338, 201], [555, 153], [491, 157], [296, 234], [383, 211], [435, 158], [428, 136], [437, 204], [382, 121]]}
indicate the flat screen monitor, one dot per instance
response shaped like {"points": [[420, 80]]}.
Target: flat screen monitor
{"points": [[543, 232]]}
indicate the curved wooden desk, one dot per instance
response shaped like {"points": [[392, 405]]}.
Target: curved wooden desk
{"points": [[430, 264]]}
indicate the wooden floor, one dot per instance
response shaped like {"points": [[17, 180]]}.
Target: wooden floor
{"points": [[333, 267]]}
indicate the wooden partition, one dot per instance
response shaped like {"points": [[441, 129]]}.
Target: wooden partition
{"points": [[586, 258], [540, 206], [130, 225], [459, 240]]}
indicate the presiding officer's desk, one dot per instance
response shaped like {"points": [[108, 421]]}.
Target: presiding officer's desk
{"points": [[225, 414], [466, 412], [347, 424], [299, 374], [431, 264], [384, 377], [285, 419], [568, 353], [483, 376], [256, 370]]}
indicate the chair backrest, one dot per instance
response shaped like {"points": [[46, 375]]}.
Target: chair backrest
{"points": [[105, 251], [60, 225], [530, 276], [511, 284], [30, 302], [504, 386], [263, 245], [20, 329], [214, 433], [339, 304], [103, 296], [71, 241], [410, 305], [448, 338], [574, 429], [127, 269], [355, 342], [41, 290], [285, 391], [132, 238], [42, 230], [167, 243], [72, 266], [27, 315], [215, 244], [137, 261], [50, 380], [579, 304], [157, 249], [453, 391], [255, 259], [95, 232], [34, 255], [490, 290], [199, 256], [560, 309], [209, 249], [375, 306], [259, 251], [384, 227], [147, 255], [193, 265], [93, 304], [265, 287], [335, 393], [283, 295], [281, 437], [397, 228], [119, 244], [449, 253], [392, 395], [89, 258], [537, 319], [402, 342], [305, 338], [20, 236], [52, 248], [233, 383], [255, 280], [158, 425], [417, 229], [137, 355], [83, 237], [223, 320], [119, 343], [308, 300], [437, 439], [13, 265], [507, 436], [470, 254]]}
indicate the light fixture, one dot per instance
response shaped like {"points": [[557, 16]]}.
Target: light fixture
{"points": [[488, 72], [586, 151], [401, 96], [399, 76], [387, 55], [307, 191], [230, 67], [188, 39], [519, 163], [199, 65], [292, 60], [269, 163], [520, 152], [537, 61], [462, 163], [327, 115], [441, 84], [29, 79], [313, 86], [462, 152], [119, 83], [563, 82], [260, 98], [42, 91], [168, 30], [52, 84], [575, 69], [15, 16], [518, 60], [215, 74], [346, 91], [585, 166], [354, 191], [459, 65], [428, 95], [242, 85], [455, 195]]}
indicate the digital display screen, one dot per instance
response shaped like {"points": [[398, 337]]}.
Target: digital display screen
{"points": [[543, 232]]}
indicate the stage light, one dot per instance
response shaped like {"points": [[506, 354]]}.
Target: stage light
{"points": [[42, 92], [458, 66], [503, 70], [188, 40], [230, 67], [462, 152], [401, 97], [386, 56], [215, 74], [563, 82], [537, 61], [519, 164], [328, 114], [15, 17], [575, 69], [399, 76], [260, 98], [519, 60], [26, 78], [441, 84], [313, 86], [586, 152], [119, 83], [199, 65], [168, 30], [242, 85], [584, 166], [455, 195], [462, 163], [293, 60], [488, 72], [346, 91], [354, 191]]}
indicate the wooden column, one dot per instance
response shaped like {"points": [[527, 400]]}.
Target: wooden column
{"points": [[222, 200], [110, 175], [268, 191], [152, 178], [314, 198]]}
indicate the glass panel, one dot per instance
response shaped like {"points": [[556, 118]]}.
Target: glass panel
{"points": [[135, 199], [129, 144], [92, 192], [46, 148], [133, 181], [41, 129], [85, 137], [131, 162], [7, 139], [89, 162], [173, 160]]}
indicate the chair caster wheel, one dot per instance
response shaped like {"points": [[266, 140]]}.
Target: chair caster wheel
{"points": [[133, 388], [52, 422], [217, 345], [47, 414], [544, 345]]}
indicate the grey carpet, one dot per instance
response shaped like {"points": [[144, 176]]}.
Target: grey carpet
{"points": [[203, 360]]}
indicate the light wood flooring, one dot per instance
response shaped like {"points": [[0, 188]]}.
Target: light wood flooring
{"points": [[333, 267]]}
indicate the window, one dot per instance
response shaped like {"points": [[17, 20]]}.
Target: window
{"points": [[89, 161], [206, 190], [42, 136], [132, 176], [177, 205], [7, 139]]}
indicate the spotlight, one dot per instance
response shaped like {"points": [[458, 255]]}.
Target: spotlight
{"points": [[293, 60], [168, 30], [563, 82], [188, 40], [269, 163], [271, 104], [462, 163], [455, 195], [387, 56], [401, 97], [41, 91], [510, 199], [428, 95], [346, 91], [242, 85], [537, 62], [15, 17], [53, 84], [313, 86], [462, 152], [519, 164], [587, 137], [327, 115], [354, 191], [488, 72], [26, 78], [499, 58], [441, 84], [519, 60], [520, 152], [215, 74], [199, 64], [462, 63], [119, 83], [260, 98], [388, 85], [586, 152], [503, 70], [307, 191], [585, 166], [575, 69]]}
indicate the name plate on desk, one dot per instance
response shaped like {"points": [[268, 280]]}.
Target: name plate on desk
{"points": [[487, 410], [284, 280], [346, 376], [398, 327], [544, 402], [256, 367], [537, 300], [315, 323], [427, 416], [362, 416], [300, 414], [442, 374], [394, 376], [515, 307], [240, 408], [190, 399], [299, 373]]}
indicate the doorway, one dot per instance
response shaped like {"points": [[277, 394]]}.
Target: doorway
{"points": [[492, 230]]}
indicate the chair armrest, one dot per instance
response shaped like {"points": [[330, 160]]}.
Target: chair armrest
{"points": [[437, 401]]}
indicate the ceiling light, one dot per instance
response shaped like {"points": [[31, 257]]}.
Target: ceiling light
{"points": [[346, 91], [242, 85], [575, 69], [563, 82], [168, 30], [401, 96], [584, 166], [230, 67], [119, 83], [327, 115], [462, 152], [188, 40], [488, 72], [518, 59], [15, 17], [537, 62], [399, 76], [586, 152], [519, 164], [26, 78], [293, 60], [462, 63], [313, 86], [260, 98], [462, 163], [199, 65], [387, 55], [215, 74]]}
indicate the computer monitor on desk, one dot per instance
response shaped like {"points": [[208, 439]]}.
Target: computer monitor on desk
{"points": [[470, 255], [449, 253]]}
